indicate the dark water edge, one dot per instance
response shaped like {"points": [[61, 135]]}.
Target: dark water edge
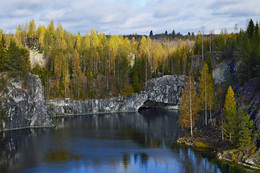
{"points": [[119, 142]]}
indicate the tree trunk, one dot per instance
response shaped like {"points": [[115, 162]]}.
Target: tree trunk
{"points": [[65, 90], [230, 135], [118, 70], [190, 112], [109, 61], [146, 73], [202, 47], [210, 44], [114, 68], [163, 65], [206, 122], [172, 66], [210, 108], [222, 130], [78, 90]]}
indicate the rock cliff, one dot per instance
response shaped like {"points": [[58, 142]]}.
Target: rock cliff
{"points": [[25, 105], [249, 98], [166, 89]]}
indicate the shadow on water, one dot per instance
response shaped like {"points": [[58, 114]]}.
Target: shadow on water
{"points": [[119, 142]]}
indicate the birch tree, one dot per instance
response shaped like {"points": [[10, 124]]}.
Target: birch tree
{"points": [[189, 106], [206, 87]]}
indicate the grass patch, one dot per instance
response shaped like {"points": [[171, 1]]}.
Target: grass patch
{"points": [[200, 144]]}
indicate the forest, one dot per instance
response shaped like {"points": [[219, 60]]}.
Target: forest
{"points": [[96, 65]]}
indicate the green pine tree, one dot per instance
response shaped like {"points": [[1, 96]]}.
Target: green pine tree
{"points": [[14, 60], [2, 54], [230, 114], [245, 126]]}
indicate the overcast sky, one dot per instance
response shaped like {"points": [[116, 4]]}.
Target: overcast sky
{"points": [[131, 16]]}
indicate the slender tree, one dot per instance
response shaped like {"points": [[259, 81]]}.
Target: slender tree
{"points": [[202, 42], [189, 106], [75, 64], [206, 87], [230, 114]]}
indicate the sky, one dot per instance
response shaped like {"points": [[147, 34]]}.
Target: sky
{"points": [[131, 16]]}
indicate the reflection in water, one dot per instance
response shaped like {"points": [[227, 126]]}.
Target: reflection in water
{"points": [[126, 160], [61, 157], [121, 142]]}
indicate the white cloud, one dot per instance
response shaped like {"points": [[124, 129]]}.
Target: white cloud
{"points": [[20, 13], [127, 17]]}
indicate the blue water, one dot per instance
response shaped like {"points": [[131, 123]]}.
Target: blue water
{"points": [[122, 142]]}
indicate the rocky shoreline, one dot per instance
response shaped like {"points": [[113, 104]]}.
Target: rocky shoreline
{"points": [[251, 160]]}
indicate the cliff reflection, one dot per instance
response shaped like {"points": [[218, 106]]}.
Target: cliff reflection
{"points": [[150, 128], [125, 142], [12, 146]]}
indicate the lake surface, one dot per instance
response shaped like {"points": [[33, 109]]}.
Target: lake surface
{"points": [[120, 142]]}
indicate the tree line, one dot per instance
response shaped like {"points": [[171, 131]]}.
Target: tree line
{"points": [[233, 122], [96, 65]]}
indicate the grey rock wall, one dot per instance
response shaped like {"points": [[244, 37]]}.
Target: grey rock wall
{"points": [[166, 89], [25, 106]]}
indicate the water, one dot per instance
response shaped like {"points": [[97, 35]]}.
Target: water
{"points": [[121, 142]]}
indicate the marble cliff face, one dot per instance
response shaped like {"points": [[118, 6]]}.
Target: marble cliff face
{"points": [[166, 89], [25, 104]]}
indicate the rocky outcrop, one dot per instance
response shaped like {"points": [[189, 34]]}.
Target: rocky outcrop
{"points": [[25, 105], [241, 157], [221, 71], [76, 107], [37, 58], [249, 98], [166, 89]]}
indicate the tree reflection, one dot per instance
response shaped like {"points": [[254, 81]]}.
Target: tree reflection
{"points": [[126, 160], [196, 161], [141, 158]]}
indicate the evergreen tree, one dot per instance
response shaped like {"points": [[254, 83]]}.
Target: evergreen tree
{"points": [[250, 29], [256, 52], [123, 72], [151, 33], [209, 63], [2, 54], [189, 106], [173, 34], [135, 78], [230, 114], [14, 60], [245, 126]]}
